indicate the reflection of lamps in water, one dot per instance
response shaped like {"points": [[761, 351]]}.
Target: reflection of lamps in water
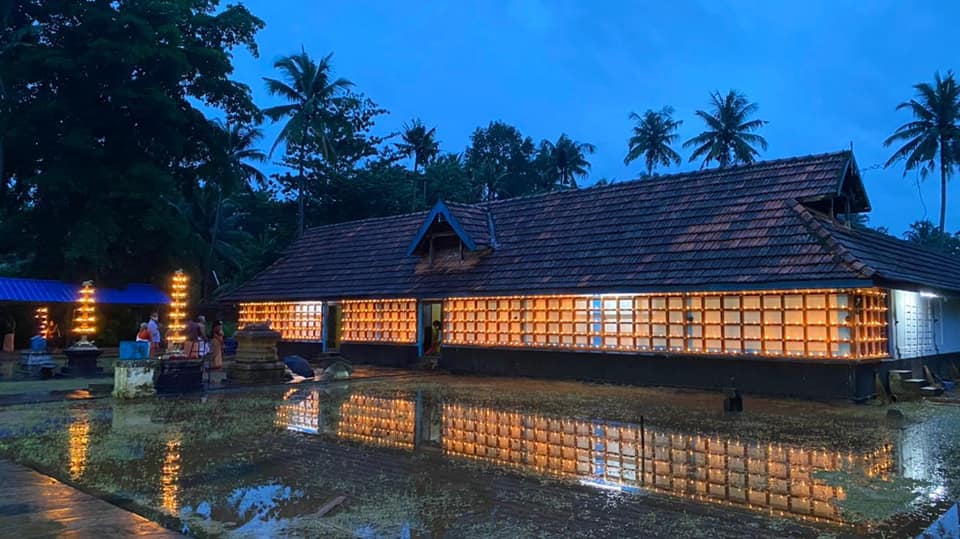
{"points": [[170, 476], [84, 323], [178, 307], [79, 442], [300, 415]]}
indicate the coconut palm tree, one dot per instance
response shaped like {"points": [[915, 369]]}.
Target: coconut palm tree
{"points": [[238, 143], [308, 87], [421, 144], [653, 135], [933, 135], [729, 138], [566, 160]]}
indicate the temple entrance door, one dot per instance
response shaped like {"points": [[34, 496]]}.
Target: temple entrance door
{"points": [[430, 312], [332, 323]]}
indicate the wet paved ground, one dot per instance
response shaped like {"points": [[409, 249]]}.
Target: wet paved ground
{"points": [[34, 505], [444, 456]]}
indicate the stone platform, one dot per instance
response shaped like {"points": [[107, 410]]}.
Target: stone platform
{"points": [[34, 505]]}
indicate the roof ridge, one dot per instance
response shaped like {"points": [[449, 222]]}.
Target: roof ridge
{"points": [[485, 205], [358, 221], [824, 237], [690, 174]]}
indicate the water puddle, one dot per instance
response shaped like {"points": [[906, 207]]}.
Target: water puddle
{"points": [[405, 459]]}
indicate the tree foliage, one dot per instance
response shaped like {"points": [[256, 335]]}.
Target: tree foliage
{"points": [[309, 90], [101, 122], [564, 161], [653, 137], [932, 139], [730, 137], [926, 234]]}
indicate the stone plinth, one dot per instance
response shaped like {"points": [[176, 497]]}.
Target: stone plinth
{"points": [[82, 359], [256, 361], [179, 375], [37, 363], [133, 379]]}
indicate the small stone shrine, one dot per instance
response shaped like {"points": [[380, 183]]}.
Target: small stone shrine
{"points": [[256, 361]]}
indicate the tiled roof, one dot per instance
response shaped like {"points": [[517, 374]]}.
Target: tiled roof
{"points": [[473, 218], [715, 229], [896, 261]]}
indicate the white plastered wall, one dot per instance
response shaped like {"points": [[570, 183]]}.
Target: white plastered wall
{"points": [[924, 324], [950, 332]]}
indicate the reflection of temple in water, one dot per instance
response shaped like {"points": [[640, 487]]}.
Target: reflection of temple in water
{"points": [[300, 411], [621, 456], [626, 456]]}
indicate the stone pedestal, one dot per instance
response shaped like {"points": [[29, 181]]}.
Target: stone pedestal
{"points": [[37, 363], [256, 360], [179, 375], [82, 359], [133, 379]]}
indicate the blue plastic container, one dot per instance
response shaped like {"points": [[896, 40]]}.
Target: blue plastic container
{"points": [[38, 343], [134, 350]]}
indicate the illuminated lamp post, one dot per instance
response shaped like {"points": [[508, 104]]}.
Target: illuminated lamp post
{"points": [[42, 315], [183, 374], [84, 321], [82, 356], [177, 324]]}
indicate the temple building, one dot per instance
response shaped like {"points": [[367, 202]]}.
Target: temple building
{"points": [[749, 276]]}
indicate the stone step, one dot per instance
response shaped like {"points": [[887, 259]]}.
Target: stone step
{"points": [[931, 391], [903, 386]]}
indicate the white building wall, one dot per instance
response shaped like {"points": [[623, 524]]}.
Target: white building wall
{"points": [[914, 322], [950, 324], [923, 324]]}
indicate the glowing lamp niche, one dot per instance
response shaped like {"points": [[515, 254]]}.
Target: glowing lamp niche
{"points": [[178, 306], [84, 323], [42, 315]]}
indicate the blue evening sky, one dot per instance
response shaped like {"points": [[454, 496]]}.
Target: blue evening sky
{"points": [[825, 73]]}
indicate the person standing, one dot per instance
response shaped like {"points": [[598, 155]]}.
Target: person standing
{"points": [[195, 338], [435, 338], [143, 335], [154, 329], [216, 346]]}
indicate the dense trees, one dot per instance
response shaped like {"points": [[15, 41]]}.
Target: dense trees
{"points": [[932, 139], [926, 234], [101, 124]]}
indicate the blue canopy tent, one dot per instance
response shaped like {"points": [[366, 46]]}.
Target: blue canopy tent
{"points": [[43, 291], [40, 292]]}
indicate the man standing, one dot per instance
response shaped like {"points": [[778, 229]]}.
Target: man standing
{"points": [[154, 329], [196, 337]]}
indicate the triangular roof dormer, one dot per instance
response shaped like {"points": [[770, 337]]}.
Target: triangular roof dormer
{"points": [[850, 195], [472, 225]]}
